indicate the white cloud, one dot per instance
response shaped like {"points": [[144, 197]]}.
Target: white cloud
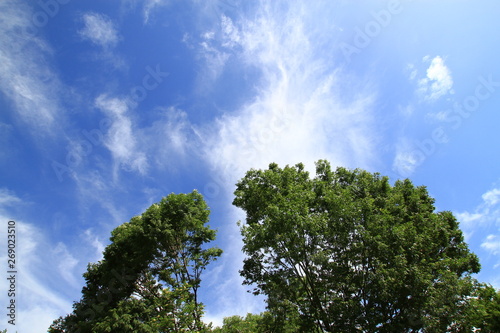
{"points": [[407, 159], [485, 214], [215, 49], [483, 220], [492, 197], [492, 244], [297, 114], [150, 5], [67, 264], [230, 33], [97, 193], [168, 138], [37, 266], [26, 77], [412, 71], [438, 81], [468, 218], [97, 244], [214, 60], [100, 30], [7, 198], [120, 139]]}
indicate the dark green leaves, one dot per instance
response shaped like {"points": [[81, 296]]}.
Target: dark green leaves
{"points": [[349, 251], [149, 277]]}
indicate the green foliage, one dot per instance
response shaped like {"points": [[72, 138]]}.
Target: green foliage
{"points": [[346, 251], [481, 312], [149, 277], [341, 252], [261, 323], [237, 324]]}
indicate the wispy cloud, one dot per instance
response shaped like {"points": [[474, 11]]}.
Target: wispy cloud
{"points": [[406, 159], [150, 5], [215, 49], [169, 138], [485, 214], [484, 220], [492, 244], [438, 81], [100, 30], [26, 76], [7, 198], [491, 197], [297, 114], [120, 139], [67, 264], [96, 243], [38, 265]]}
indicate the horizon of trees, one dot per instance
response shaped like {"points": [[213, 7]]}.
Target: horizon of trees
{"points": [[343, 251]]}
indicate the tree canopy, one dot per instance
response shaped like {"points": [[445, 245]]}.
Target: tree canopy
{"points": [[149, 276], [343, 251], [349, 252]]}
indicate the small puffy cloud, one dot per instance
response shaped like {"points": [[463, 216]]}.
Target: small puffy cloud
{"points": [[483, 220], [100, 30], [405, 163], [485, 213], [438, 81], [408, 157], [467, 218], [492, 244], [492, 197]]}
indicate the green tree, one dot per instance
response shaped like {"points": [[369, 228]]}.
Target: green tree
{"points": [[481, 312], [258, 323], [238, 324], [149, 276], [351, 252]]}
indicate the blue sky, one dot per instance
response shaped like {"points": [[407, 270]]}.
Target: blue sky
{"points": [[106, 107]]}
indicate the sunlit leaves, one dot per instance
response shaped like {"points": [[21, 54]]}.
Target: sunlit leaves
{"points": [[350, 251]]}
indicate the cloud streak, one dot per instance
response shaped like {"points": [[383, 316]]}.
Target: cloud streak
{"points": [[483, 222], [37, 263], [121, 139], [26, 77], [298, 112]]}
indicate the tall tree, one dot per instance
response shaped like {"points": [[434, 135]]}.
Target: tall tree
{"points": [[351, 252], [149, 276]]}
